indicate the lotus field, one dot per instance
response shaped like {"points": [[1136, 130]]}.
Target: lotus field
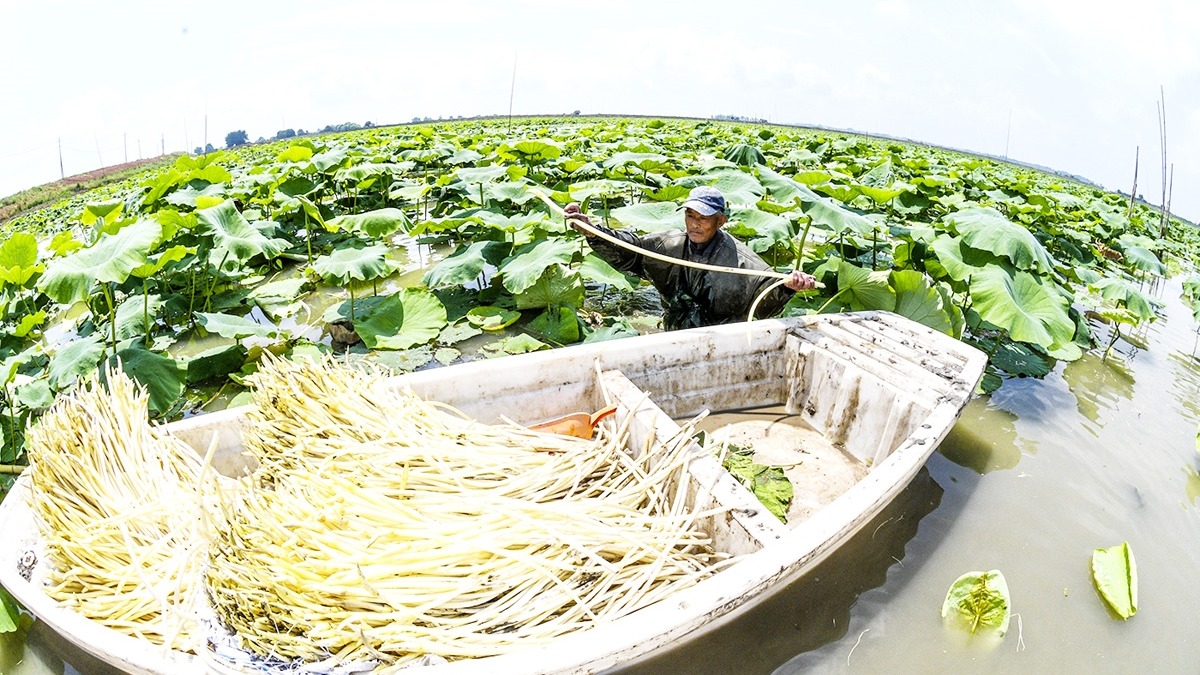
{"points": [[423, 245]]}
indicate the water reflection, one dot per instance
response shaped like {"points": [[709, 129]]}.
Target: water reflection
{"points": [[1185, 382], [1099, 384], [984, 439], [811, 611]]}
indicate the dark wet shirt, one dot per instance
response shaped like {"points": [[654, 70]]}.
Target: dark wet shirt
{"points": [[693, 297]]}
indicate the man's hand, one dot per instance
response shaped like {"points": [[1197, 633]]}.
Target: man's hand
{"points": [[801, 281], [573, 214]]}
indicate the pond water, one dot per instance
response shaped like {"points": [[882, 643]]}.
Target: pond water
{"points": [[1030, 482]]}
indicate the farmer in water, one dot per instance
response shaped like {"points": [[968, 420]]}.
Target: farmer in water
{"points": [[693, 297]]}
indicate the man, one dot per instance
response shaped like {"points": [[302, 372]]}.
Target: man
{"points": [[693, 297]]}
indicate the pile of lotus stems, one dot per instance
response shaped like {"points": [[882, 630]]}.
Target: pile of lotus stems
{"points": [[119, 515], [381, 527]]}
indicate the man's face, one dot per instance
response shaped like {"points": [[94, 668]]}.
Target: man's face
{"points": [[702, 228]]}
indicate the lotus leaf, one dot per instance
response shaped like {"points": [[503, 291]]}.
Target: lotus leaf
{"points": [[492, 318], [109, 260], [865, 289], [596, 269], [527, 264], [978, 602], [1023, 306], [917, 300], [234, 327], [233, 233], [553, 288], [650, 217], [557, 324], [18, 259], [76, 360], [1144, 260], [345, 265], [374, 224], [466, 264], [162, 376], [1115, 574], [987, 229], [406, 319]]}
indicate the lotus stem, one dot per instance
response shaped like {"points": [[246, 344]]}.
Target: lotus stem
{"points": [[12, 469], [112, 313]]}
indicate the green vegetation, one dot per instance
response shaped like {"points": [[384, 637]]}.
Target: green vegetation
{"points": [[978, 603], [54, 195], [1115, 574], [186, 274]]}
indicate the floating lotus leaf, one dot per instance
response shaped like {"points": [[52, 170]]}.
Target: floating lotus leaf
{"points": [[1115, 574], [978, 602], [492, 318], [234, 327], [406, 319]]}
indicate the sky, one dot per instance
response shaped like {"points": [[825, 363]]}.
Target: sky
{"points": [[1073, 85]]}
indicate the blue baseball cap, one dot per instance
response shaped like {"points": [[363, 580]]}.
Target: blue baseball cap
{"points": [[705, 200]]}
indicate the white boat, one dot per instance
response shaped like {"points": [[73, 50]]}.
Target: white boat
{"points": [[873, 394]]}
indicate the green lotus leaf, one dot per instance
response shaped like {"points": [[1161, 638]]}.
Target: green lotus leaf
{"points": [[277, 292], [134, 312], [233, 233], [527, 264], [1115, 574], [297, 186], [330, 159], [516, 192], [1022, 305], [786, 190], [520, 344], [214, 362], [880, 195], [740, 188], [649, 216], [403, 320], [536, 150], [751, 223], [162, 376], [917, 300], [865, 289], [961, 261], [1018, 359], [1143, 259], [1126, 295], [670, 193], [551, 289], [603, 187], [75, 361], [18, 259], [294, 154], [492, 318], [234, 327], [978, 602], [484, 174], [511, 224], [156, 262], [987, 229], [446, 355], [744, 154], [186, 196], [466, 264], [374, 224], [10, 614], [557, 324], [64, 243], [596, 269], [347, 264], [109, 260], [459, 332], [103, 212], [646, 161], [29, 322]]}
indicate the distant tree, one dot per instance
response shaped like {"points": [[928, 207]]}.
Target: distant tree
{"points": [[368, 124], [575, 113], [236, 138], [198, 150], [208, 147], [300, 132], [416, 120], [261, 140], [284, 133]]}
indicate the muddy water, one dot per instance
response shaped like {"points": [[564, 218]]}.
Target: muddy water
{"points": [[1031, 480]]}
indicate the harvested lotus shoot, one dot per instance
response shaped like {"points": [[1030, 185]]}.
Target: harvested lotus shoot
{"points": [[119, 514], [381, 527]]}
